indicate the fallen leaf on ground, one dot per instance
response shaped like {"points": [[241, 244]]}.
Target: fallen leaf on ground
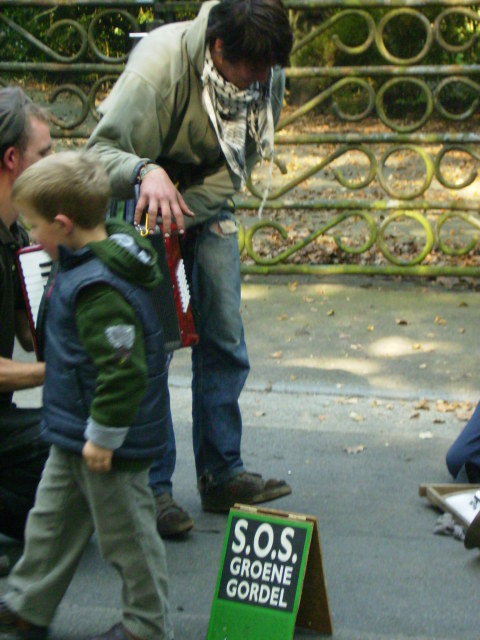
{"points": [[259, 414], [463, 304], [425, 435], [284, 316], [330, 312], [401, 321], [356, 416], [438, 421], [355, 449], [370, 327], [417, 346], [302, 332], [414, 415], [308, 299], [293, 285], [293, 377], [347, 400], [423, 405], [440, 320], [464, 415], [322, 418], [276, 355], [444, 407]]}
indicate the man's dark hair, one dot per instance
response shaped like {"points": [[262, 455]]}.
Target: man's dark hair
{"points": [[255, 31]]}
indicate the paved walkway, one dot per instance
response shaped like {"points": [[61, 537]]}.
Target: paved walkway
{"points": [[358, 386]]}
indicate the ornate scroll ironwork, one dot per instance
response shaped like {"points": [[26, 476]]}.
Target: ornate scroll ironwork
{"points": [[77, 53], [377, 151], [394, 186]]}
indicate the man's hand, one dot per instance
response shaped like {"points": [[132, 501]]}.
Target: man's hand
{"points": [[97, 458], [159, 194]]}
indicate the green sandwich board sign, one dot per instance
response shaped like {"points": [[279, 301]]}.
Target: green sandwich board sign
{"points": [[270, 579]]}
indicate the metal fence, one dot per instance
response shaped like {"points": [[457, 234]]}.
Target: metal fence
{"points": [[377, 150]]}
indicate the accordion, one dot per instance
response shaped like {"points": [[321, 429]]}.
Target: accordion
{"points": [[35, 269], [171, 297]]}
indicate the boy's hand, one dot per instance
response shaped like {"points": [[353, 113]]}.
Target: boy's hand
{"points": [[97, 458]]}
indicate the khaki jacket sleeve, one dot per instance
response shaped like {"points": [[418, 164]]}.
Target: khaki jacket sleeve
{"points": [[129, 132]]}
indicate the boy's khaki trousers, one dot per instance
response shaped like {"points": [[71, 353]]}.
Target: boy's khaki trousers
{"points": [[71, 503]]}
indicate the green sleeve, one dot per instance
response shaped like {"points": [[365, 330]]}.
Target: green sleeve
{"points": [[113, 338]]}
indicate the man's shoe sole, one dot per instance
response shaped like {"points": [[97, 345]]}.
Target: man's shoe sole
{"points": [[180, 530], [263, 496]]}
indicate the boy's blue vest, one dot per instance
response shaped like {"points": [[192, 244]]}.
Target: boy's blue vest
{"points": [[71, 375]]}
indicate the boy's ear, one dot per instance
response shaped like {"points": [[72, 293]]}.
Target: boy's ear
{"points": [[64, 222]]}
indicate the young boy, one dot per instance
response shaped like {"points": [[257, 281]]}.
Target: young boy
{"points": [[105, 405]]}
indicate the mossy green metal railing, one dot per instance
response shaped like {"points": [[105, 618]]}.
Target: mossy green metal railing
{"points": [[358, 217]]}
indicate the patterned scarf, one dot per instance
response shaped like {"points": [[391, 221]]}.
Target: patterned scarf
{"points": [[233, 111]]}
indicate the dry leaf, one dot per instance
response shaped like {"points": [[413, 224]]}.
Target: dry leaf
{"points": [[356, 416], [422, 366], [330, 312], [464, 415], [293, 285], [322, 418], [461, 330], [284, 316], [463, 304], [308, 299], [400, 321], [276, 355], [355, 449], [440, 320], [259, 414], [370, 327], [444, 407], [438, 421], [417, 346], [414, 415], [423, 405], [356, 347], [425, 435], [347, 400], [293, 377]]}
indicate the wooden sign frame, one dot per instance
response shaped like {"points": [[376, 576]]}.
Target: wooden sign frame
{"points": [[305, 602], [437, 495]]}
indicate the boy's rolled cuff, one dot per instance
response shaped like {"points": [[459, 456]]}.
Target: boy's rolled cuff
{"points": [[105, 436]]}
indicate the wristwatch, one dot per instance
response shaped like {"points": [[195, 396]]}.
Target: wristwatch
{"points": [[149, 166]]}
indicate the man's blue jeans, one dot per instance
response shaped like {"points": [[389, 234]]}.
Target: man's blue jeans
{"points": [[219, 361], [463, 456]]}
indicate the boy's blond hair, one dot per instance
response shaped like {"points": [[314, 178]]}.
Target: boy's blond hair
{"points": [[73, 183]]}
